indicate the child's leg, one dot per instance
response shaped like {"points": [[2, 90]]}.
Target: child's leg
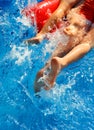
{"points": [[76, 53], [59, 63], [60, 51]]}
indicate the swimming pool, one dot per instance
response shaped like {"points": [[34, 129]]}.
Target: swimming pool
{"points": [[68, 106]]}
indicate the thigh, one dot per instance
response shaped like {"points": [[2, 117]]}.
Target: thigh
{"points": [[61, 50]]}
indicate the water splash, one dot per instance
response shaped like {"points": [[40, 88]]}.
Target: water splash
{"points": [[14, 120], [54, 39], [68, 106], [22, 3], [24, 21], [20, 54]]}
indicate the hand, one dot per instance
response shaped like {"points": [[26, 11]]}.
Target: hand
{"points": [[34, 40]]}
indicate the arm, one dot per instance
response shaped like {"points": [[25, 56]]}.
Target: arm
{"points": [[62, 10]]}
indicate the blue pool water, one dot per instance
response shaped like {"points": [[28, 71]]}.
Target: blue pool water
{"points": [[68, 106]]}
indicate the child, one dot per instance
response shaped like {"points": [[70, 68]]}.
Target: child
{"points": [[79, 24]]}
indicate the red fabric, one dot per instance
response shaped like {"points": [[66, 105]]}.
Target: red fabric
{"points": [[87, 9], [41, 11]]}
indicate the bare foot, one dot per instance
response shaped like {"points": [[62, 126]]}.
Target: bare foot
{"points": [[51, 77], [47, 81], [34, 40]]}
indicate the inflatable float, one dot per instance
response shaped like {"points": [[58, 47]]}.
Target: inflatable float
{"points": [[40, 12]]}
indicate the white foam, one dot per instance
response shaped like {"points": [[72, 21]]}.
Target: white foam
{"points": [[20, 54], [54, 39], [24, 20], [22, 3], [23, 76]]}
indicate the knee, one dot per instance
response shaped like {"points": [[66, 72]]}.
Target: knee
{"points": [[86, 47]]}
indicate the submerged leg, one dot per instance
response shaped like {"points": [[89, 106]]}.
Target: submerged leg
{"points": [[38, 84]]}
